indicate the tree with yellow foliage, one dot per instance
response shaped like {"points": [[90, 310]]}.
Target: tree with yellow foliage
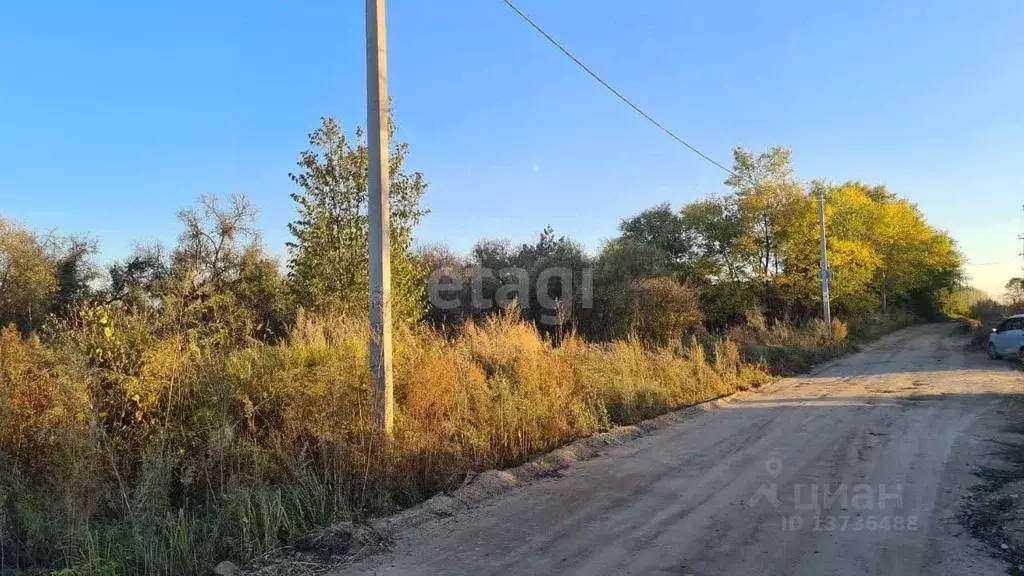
{"points": [[27, 281]]}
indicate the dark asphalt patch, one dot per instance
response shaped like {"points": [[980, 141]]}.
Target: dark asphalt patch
{"points": [[993, 511]]}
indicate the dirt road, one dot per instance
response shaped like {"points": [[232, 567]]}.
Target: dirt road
{"points": [[874, 464]]}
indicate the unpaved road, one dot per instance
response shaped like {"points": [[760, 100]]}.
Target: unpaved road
{"points": [[902, 428]]}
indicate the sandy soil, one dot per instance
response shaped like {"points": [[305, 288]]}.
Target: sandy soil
{"points": [[901, 459]]}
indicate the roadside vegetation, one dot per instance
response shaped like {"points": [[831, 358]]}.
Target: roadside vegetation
{"points": [[205, 402], [978, 313]]}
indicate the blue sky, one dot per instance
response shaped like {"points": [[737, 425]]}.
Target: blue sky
{"points": [[113, 115]]}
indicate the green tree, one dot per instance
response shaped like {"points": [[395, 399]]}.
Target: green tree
{"points": [[566, 261], [664, 229], [1015, 293], [767, 194], [450, 273], [498, 262], [621, 265], [328, 258], [959, 301], [716, 226]]}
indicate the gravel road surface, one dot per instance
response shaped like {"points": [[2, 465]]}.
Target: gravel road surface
{"points": [[873, 464]]}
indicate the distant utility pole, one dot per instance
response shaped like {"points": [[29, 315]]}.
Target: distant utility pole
{"points": [[1021, 238], [379, 218], [824, 272]]}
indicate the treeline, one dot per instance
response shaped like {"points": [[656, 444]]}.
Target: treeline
{"points": [[218, 282], [980, 313], [709, 262], [669, 272], [202, 402]]}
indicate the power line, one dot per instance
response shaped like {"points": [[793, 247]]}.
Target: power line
{"points": [[995, 263], [611, 89]]}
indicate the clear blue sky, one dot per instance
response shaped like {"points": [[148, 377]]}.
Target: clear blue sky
{"points": [[115, 114]]}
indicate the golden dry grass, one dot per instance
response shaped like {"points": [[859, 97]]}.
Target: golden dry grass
{"points": [[154, 454]]}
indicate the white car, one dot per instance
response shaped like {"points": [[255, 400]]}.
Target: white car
{"points": [[1008, 338]]}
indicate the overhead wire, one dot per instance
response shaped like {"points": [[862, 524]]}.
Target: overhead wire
{"points": [[611, 89]]}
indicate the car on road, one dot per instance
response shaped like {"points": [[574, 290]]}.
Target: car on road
{"points": [[1007, 339]]}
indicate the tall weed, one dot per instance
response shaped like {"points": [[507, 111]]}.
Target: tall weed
{"points": [[138, 450]]}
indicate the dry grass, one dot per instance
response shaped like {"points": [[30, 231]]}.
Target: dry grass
{"points": [[128, 448], [139, 452], [871, 325], [976, 329], [787, 349]]}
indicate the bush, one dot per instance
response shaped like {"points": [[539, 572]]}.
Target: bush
{"points": [[664, 310], [990, 313]]}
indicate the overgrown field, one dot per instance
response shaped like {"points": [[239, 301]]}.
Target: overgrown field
{"points": [[127, 453]]}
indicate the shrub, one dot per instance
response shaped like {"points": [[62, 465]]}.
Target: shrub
{"points": [[990, 313], [664, 310], [40, 410], [839, 331]]}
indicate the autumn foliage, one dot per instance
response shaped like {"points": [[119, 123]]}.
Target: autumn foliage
{"points": [[196, 403]]}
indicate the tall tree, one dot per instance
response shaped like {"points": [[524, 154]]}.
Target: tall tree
{"points": [[880, 248], [1015, 293], [914, 256], [664, 229], [716, 225], [328, 259], [621, 266], [212, 245], [852, 257], [767, 194]]}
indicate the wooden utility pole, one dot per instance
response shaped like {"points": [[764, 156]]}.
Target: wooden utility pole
{"points": [[379, 218], [824, 272]]}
